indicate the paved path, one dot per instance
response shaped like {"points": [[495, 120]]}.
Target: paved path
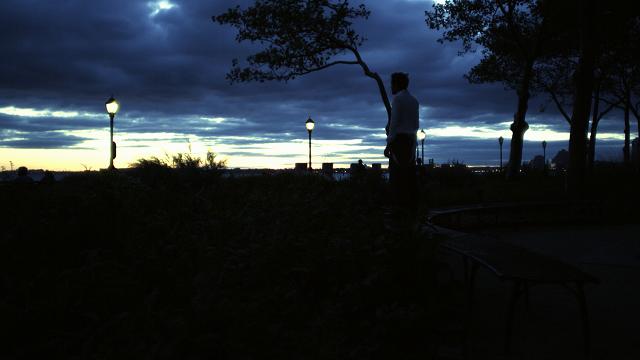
{"points": [[552, 329]]}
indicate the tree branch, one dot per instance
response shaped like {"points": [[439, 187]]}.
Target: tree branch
{"points": [[554, 97], [341, 62], [618, 104], [609, 108], [378, 79], [611, 102], [635, 111]]}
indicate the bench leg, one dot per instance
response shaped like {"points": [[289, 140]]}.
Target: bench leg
{"points": [[515, 294]]}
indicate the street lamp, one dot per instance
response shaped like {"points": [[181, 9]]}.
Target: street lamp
{"points": [[310, 125], [421, 136], [112, 106], [500, 141], [544, 154]]}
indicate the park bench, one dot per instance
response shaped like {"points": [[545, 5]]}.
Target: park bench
{"points": [[522, 267], [498, 214]]}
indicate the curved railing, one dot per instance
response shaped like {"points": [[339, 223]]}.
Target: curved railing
{"points": [[487, 215]]}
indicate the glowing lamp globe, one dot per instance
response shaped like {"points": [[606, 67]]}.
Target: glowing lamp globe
{"points": [[421, 135], [310, 124], [112, 106]]}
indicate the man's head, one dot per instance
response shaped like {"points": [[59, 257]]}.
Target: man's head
{"points": [[399, 82]]}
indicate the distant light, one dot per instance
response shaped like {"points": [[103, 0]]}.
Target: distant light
{"points": [[112, 106], [158, 6], [310, 124], [165, 5]]}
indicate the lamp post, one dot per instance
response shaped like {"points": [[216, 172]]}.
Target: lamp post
{"points": [[544, 154], [500, 141], [112, 106], [421, 136], [310, 125]]}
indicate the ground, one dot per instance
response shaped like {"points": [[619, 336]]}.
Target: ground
{"points": [[551, 330]]}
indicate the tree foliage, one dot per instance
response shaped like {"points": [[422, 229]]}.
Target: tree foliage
{"points": [[513, 36], [298, 37]]}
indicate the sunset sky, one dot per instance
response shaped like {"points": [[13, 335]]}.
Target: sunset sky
{"points": [[165, 62]]}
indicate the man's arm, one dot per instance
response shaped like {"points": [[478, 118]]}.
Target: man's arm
{"points": [[391, 126], [395, 117]]}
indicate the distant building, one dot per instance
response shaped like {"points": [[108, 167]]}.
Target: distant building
{"points": [[327, 168], [376, 166], [301, 167]]}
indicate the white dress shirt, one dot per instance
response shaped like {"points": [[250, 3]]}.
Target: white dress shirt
{"points": [[405, 116]]}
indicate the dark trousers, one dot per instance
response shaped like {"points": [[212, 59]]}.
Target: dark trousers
{"points": [[402, 174]]}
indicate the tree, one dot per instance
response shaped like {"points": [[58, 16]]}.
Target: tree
{"points": [[513, 36], [556, 79], [607, 33], [626, 79], [623, 94], [602, 84], [583, 88], [300, 37]]}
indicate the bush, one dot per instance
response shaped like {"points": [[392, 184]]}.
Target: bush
{"points": [[144, 265]]}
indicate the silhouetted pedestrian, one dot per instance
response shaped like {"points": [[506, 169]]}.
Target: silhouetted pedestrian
{"points": [[358, 171], [401, 148]]}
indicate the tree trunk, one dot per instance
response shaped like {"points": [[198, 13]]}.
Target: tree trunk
{"points": [[584, 81], [595, 119], [519, 126], [592, 144], [626, 150], [635, 112]]}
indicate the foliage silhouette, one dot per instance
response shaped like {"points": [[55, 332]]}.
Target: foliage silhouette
{"points": [[115, 265], [300, 37], [513, 36]]}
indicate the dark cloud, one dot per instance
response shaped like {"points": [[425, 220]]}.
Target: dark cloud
{"points": [[168, 71], [46, 123], [43, 140]]}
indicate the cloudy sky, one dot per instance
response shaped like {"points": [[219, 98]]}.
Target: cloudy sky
{"points": [[165, 61]]}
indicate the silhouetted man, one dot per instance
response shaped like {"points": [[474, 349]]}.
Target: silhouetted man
{"points": [[401, 146]]}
